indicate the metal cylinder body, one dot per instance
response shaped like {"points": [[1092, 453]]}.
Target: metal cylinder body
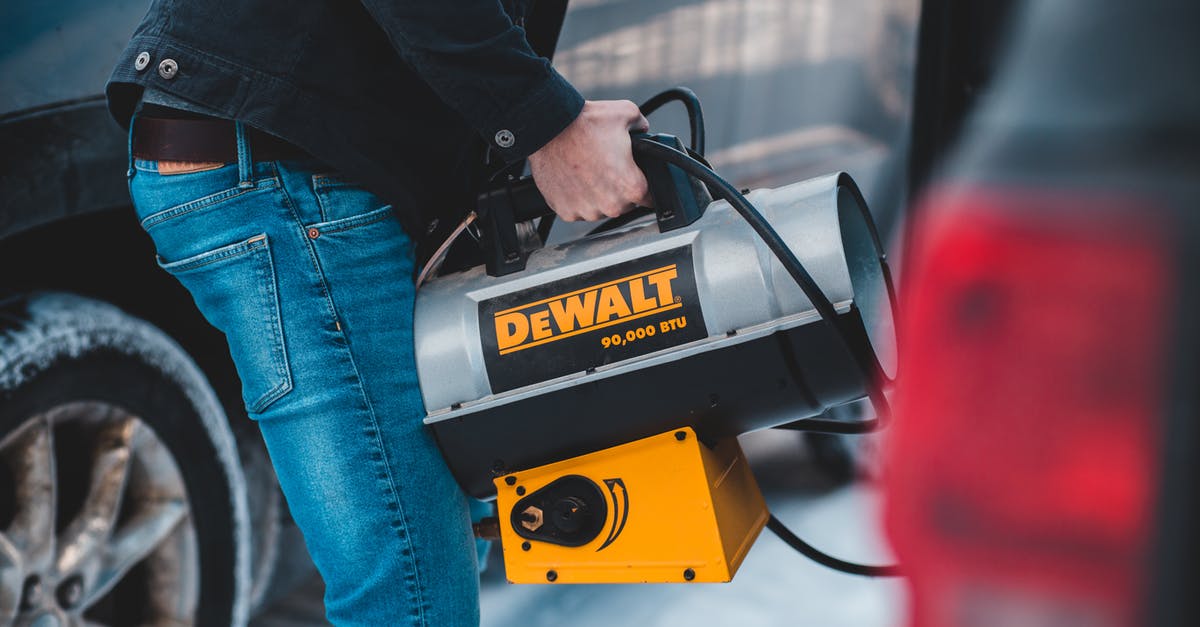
{"points": [[623, 334]]}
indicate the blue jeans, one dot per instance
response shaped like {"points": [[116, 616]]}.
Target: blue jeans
{"points": [[310, 279]]}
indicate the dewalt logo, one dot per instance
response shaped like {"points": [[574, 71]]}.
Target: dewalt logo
{"points": [[597, 318], [586, 310]]}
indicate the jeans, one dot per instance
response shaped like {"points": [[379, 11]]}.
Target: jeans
{"points": [[309, 278]]}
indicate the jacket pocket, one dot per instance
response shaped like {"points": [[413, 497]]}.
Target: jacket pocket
{"points": [[234, 288]]}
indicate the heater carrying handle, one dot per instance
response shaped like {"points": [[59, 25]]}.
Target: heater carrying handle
{"points": [[679, 200]]}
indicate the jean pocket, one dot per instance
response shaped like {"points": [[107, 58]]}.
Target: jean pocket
{"points": [[339, 198], [203, 198], [235, 289]]}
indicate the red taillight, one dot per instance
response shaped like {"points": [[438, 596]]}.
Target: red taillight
{"points": [[1022, 468]]}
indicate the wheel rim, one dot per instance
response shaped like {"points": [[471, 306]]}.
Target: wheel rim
{"points": [[95, 526]]}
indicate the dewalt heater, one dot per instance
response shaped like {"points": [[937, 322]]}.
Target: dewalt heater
{"points": [[596, 388]]}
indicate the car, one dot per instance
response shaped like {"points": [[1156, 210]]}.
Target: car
{"points": [[134, 488]]}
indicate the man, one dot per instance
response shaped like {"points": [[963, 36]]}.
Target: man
{"points": [[283, 158]]}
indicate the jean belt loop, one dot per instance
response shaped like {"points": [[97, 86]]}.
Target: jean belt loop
{"points": [[245, 159]]}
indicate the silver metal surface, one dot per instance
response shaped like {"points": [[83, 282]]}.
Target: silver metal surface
{"points": [[741, 287], [133, 511], [168, 68], [142, 61]]}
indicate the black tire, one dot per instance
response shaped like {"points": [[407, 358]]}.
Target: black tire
{"points": [[57, 349]]}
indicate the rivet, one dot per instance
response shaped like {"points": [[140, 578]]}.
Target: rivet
{"points": [[510, 480], [520, 490], [505, 138], [168, 68], [689, 574], [313, 233], [551, 575], [525, 546], [142, 61], [681, 435]]}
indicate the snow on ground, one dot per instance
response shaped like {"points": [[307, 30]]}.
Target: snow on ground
{"points": [[775, 587]]}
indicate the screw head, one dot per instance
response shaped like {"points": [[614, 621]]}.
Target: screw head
{"points": [[551, 575], [689, 574], [520, 490], [681, 435], [525, 546], [510, 480]]}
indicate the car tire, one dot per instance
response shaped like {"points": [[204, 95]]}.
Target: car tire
{"points": [[122, 500]]}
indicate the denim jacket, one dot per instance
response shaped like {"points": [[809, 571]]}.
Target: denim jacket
{"points": [[397, 94]]}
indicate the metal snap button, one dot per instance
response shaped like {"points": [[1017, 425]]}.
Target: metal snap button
{"points": [[142, 61], [168, 68], [505, 139]]}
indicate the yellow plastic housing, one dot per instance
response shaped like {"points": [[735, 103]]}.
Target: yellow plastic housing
{"points": [[678, 512]]}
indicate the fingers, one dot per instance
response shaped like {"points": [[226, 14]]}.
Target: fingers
{"points": [[588, 171], [634, 120], [641, 124]]}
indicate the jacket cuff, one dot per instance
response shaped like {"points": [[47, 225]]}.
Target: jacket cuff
{"points": [[531, 122]]}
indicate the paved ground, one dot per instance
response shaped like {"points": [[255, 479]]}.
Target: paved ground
{"points": [[775, 586]]}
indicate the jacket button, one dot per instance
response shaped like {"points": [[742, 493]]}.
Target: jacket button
{"points": [[168, 68], [142, 61], [505, 139]]}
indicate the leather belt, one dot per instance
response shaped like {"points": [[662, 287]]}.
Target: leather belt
{"points": [[204, 140]]}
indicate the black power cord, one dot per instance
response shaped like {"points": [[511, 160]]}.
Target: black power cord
{"points": [[870, 368], [695, 114], [825, 559]]}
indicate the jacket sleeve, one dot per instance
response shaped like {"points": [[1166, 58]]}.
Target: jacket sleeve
{"points": [[478, 61]]}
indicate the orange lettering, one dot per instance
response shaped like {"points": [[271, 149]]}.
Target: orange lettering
{"points": [[662, 283], [576, 311], [637, 296], [540, 322], [612, 305], [511, 330]]}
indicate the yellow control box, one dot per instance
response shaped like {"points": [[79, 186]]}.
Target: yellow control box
{"points": [[663, 509]]}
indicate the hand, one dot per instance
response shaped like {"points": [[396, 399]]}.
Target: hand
{"points": [[587, 172]]}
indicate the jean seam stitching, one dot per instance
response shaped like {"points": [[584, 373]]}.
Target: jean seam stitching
{"points": [[415, 586], [364, 221], [237, 250], [391, 482], [155, 219], [317, 195], [400, 525], [282, 367], [302, 233]]}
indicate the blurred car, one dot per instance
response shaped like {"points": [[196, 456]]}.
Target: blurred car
{"points": [[1042, 468]]}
